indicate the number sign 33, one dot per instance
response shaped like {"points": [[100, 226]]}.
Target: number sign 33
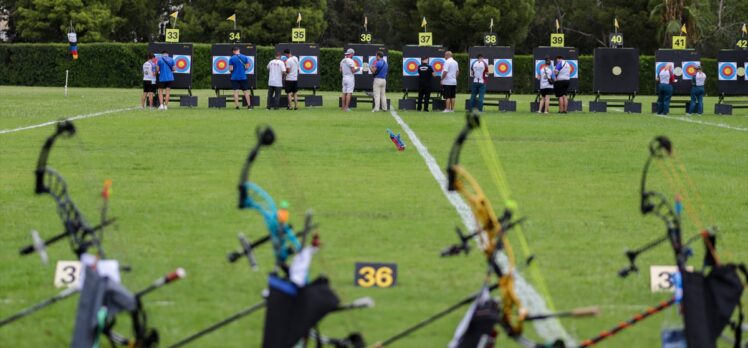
{"points": [[372, 274]]}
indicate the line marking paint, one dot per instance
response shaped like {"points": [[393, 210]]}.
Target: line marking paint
{"points": [[705, 123], [72, 118]]}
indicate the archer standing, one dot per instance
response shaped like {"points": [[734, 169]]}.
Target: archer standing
{"points": [[379, 69], [561, 85], [546, 86], [292, 79], [449, 81], [697, 93], [276, 69], [149, 81], [425, 75], [478, 74], [348, 68], [165, 69], [665, 89], [238, 65]]}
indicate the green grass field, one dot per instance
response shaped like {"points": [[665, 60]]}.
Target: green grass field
{"points": [[175, 174]]}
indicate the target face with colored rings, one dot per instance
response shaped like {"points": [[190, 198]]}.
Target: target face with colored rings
{"points": [[573, 69], [689, 69], [358, 61], [221, 65], [284, 57], [438, 65], [251, 64], [728, 71], [502, 67], [308, 65], [410, 66], [539, 65], [182, 64], [660, 66]]}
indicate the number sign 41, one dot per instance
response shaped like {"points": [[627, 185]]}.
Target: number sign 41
{"points": [[373, 274], [68, 274]]}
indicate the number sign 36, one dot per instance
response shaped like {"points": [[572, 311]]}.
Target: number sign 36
{"points": [[381, 275]]}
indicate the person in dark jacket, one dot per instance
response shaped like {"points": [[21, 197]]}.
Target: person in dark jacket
{"points": [[425, 75]]}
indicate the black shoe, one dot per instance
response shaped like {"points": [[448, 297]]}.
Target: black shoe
{"points": [[237, 108], [425, 110]]}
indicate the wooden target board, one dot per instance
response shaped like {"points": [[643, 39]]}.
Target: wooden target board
{"points": [[363, 58], [220, 54], [308, 55], [500, 67], [684, 67], [182, 55], [616, 71], [412, 59], [732, 66], [570, 54]]}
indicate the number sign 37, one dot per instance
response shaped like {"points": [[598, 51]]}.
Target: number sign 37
{"points": [[381, 275]]}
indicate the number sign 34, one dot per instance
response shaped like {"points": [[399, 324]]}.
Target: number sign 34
{"points": [[381, 275]]}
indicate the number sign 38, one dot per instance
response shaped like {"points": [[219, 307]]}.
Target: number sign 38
{"points": [[381, 275]]}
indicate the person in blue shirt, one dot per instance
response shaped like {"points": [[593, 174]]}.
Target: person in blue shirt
{"points": [[379, 69], [165, 70], [238, 65]]}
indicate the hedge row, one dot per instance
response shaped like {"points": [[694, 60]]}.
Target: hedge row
{"points": [[118, 65]]}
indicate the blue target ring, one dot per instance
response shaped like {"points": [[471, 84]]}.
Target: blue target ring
{"points": [[182, 64], [308, 65], [689, 69], [728, 71], [251, 63], [502, 67], [574, 72], [659, 66], [358, 61], [410, 66], [438, 65], [220, 65], [539, 65]]}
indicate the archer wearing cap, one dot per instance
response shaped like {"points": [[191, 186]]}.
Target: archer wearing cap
{"points": [[348, 68], [697, 93]]}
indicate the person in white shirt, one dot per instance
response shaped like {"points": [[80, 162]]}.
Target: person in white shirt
{"points": [[562, 71], [449, 81], [546, 86], [276, 69], [149, 81], [478, 75], [697, 93], [665, 78], [292, 79], [348, 69]]}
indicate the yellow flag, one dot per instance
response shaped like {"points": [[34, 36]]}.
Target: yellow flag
{"points": [[298, 19], [491, 24], [744, 30], [366, 21], [423, 22], [683, 29], [174, 14], [232, 18], [615, 23], [558, 26]]}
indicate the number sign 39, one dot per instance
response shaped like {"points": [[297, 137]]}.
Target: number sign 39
{"points": [[557, 40], [371, 274], [68, 274]]}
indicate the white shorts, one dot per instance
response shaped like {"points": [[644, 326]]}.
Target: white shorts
{"points": [[348, 84]]}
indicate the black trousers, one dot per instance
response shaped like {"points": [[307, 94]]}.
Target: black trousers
{"points": [[424, 96], [274, 95]]}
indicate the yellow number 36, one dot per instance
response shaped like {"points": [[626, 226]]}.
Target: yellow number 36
{"points": [[375, 275]]}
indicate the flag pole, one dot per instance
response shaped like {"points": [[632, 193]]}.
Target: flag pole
{"points": [[234, 20]]}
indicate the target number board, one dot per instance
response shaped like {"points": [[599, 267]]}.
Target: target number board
{"points": [[365, 37], [298, 35], [742, 43], [679, 42], [490, 39], [235, 36], [615, 40], [557, 40], [425, 39], [172, 35], [68, 274], [662, 278], [374, 274]]}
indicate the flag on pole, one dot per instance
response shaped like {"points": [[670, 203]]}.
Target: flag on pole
{"points": [[615, 23], [366, 22], [744, 30], [232, 18], [683, 29], [423, 22], [298, 19], [491, 24], [558, 25], [175, 14]]}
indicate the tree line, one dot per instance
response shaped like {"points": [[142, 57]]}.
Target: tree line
{"points": [[524, 24]]}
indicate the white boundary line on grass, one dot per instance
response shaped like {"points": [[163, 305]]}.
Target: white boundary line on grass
{"points": [[72, 118], [549, 329], [691, 120]]}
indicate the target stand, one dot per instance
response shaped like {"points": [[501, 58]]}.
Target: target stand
{"points": [[363, 58], [411, 60], [570, 54], [182, 55], [220, 78], [500, 78], [309, 72], [616, 72], [684, 67], [732, 66]]}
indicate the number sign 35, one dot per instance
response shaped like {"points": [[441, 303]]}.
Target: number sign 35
{"points": [[381, 275]]}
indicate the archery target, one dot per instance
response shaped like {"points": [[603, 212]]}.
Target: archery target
{"points": [[741, 71], [615, 70], [438, 65], [251, 63], [221, 65], [358, 61], [502, 67], [410, 66], [659, 66], [539, 65], [372, 59], [689, 69], [308, 65], [284, 58], [574, 69], [727, 71], [182, 64]]}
